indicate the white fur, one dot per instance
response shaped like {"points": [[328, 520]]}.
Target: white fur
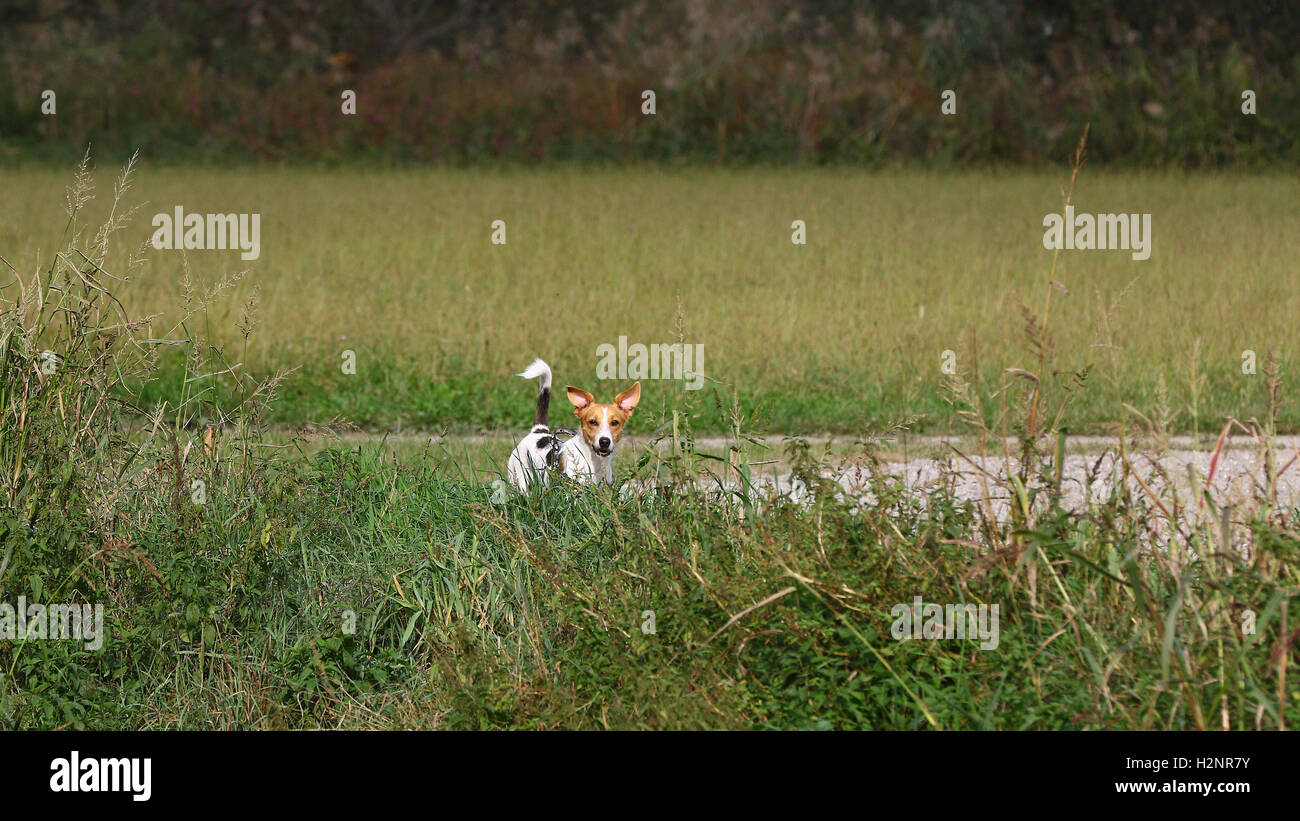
{"points": [[539, 369]]}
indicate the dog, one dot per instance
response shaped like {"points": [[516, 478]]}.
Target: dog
{"points": [[588, 456]]}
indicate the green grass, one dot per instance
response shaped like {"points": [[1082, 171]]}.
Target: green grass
{"points": [[529, 614], [373, 588], [840, 335]]}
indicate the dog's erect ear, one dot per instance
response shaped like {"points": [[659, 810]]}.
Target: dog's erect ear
{"points": [[627, 399], [579, 397]]}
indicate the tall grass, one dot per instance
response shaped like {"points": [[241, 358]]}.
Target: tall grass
{"points": [[351, 588], [150, 510]]}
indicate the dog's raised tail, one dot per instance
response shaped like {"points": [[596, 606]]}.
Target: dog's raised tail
{"points": [[540, 371]]}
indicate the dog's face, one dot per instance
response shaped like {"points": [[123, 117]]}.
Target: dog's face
{"points": [[602, 425]]}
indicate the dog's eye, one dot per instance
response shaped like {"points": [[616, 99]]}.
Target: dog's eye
{"points": [[614, 424], [591, 421]]}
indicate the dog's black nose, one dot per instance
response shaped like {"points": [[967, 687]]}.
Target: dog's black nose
{"points": [[603, 442]]}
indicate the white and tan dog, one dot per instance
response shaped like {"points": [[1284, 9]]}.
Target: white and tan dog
{"points": [[587, 457]]}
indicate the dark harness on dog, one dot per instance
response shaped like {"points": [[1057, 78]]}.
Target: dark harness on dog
{"points": [[553, 444]]}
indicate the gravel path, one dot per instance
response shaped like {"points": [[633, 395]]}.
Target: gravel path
{"points": [[1092, 467]]}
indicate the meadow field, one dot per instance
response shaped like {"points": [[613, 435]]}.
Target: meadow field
{"points": [[843, 334], [161, 459]]}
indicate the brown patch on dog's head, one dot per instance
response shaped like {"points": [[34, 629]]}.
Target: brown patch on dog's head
{"points": [[602, 424]]}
